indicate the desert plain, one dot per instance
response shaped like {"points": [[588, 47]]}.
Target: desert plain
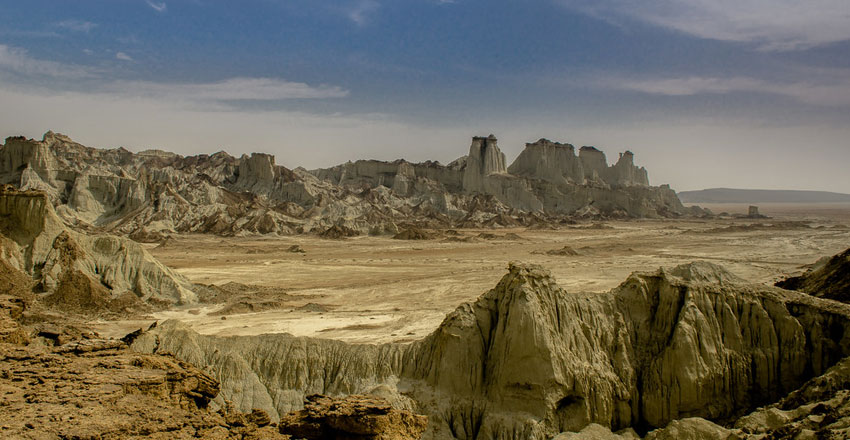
{"points": [[374, 289]]}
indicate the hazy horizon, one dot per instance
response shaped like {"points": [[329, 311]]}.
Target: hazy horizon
{"points": [[747, 94]]}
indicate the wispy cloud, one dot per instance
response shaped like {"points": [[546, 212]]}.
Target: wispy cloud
{"points": [[776, 25], [22, 68], [832, 90], [76, 25], [158, 7], [18, 62], [28, 33], [361, 12], [234, 89]]}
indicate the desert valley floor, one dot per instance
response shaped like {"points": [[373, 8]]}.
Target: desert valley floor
{"points": [[377, 289]]}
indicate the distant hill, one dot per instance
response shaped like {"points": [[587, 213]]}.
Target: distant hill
{"points": [[732, 195]]}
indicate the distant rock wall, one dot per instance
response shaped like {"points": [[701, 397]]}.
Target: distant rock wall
{"points": [[126, 193], [546, 177]]}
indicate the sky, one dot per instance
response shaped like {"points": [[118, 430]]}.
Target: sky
{"points": [[706, 93]]}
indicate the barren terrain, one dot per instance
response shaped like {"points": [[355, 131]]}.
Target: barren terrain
{"points": [[376, 289]]}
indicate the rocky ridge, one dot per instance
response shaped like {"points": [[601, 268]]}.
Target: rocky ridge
{"points": [[529, 360], [547, 177], [152, 193], [77, 272], [828, 278]]}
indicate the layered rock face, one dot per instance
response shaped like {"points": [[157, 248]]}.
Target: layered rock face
{"points": [[557, 163], [85, 273], [551, 161], [156, 192], [484, 159], [547, 177], [123, 192], [529, 360]]}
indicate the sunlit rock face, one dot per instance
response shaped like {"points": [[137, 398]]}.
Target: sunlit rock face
{"points": [[530, 360]]}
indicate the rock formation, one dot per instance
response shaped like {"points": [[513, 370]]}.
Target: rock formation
{"points": [[550, 161], [156, 192], [484, 159], [829, 278], [80, 272], [546, 177], [529, 360], [361, 417], [68, 383]]}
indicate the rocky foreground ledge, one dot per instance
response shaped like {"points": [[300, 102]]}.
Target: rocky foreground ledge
{"points": [[683, 350], [69, 384]]}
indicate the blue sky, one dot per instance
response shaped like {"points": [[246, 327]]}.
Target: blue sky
{"points": [[747, 93]]}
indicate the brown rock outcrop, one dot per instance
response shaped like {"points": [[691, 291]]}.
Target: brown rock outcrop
{"points": [[827, 279], [361, 417], [413, 233], [60, 381]]}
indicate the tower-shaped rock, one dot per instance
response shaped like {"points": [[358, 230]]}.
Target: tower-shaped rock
{"points": [[625, 173], [484, 159]]}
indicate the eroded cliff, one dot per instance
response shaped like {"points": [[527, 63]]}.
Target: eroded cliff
{"points": [[529, 360], [81, 272], [156, 192]]}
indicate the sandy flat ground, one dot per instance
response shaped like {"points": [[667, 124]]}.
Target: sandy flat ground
{"points": [[376, 289]]}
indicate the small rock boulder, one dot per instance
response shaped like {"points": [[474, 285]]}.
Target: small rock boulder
{"points": [[353, 416]]}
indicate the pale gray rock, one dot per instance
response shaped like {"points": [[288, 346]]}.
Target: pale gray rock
{"points": [[484, 159], [594, 164], [625, 173], [551, 161], [123, 192], [43, 247], [529, 360]]}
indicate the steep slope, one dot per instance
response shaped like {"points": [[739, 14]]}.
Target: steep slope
{"points": [[85, 273], [829, 279], [529, 360]]}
